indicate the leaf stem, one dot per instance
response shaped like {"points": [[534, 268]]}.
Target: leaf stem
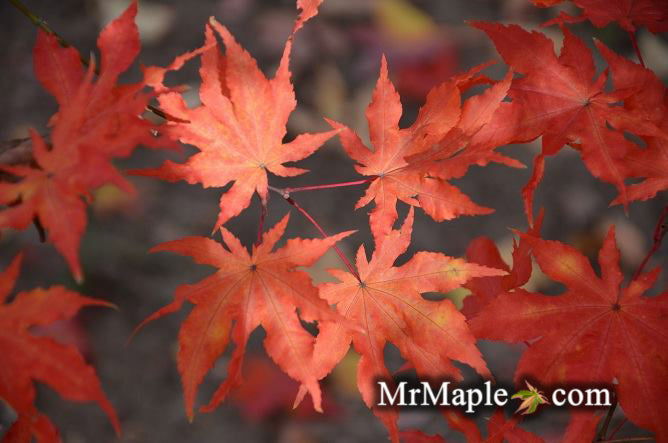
{"points": [[288, 191], [322, 232], [634, 42], [41, 24], [260, 228], [659, 233]]}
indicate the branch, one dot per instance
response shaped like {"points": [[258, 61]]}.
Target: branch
{"points": [[659, 233]]}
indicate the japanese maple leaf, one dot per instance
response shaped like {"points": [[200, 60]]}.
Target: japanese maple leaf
{"points": [[628, 13], [559, 98], [650, 99], [387, 305], [239, 127], [531, 399], [96, 122], [27, 358], [260, 288], [595, 332], [414, 164]]}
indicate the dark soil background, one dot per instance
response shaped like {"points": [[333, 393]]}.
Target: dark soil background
{"points": [[335, 66]]}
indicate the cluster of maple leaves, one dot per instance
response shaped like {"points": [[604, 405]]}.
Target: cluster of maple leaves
{"points": [[600, 331]]}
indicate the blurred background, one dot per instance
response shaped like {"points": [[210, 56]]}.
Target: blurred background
{"points": [[335, 66]]}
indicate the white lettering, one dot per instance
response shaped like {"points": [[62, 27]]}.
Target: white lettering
{"points": [[598, 394], [571, 400], [428, 393], [459, 399], [556, 400], [504, 397], [413, 392], [473, 402], [385, 391]]}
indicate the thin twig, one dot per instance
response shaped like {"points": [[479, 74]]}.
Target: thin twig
{"points": [[634, 42], [260, 227], [41, 24], [659, 233], [322, 232], [289, 191]]}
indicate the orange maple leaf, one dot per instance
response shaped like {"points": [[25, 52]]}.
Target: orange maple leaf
{"points": [[414, 164], [239, 127], [27, 358], [387, 305], [96, 122], [260, 288]]}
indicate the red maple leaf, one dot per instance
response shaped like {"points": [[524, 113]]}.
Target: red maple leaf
{"points": [[649, 99], [387, 305], [627, 13], [239, 127], [96, 122], [28, 358], [260, 288], [414, 164], [595, 332], [560, 99]]}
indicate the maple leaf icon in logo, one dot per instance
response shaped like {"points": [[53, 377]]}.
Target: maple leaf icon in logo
{"points": [[530, 399]]}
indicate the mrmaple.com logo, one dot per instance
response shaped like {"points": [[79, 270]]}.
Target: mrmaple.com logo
{"points": [[428, 394]]}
